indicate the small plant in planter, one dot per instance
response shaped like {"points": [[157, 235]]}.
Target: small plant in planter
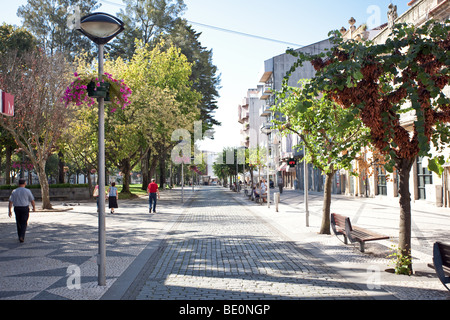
{"points": [[400, 262], [85, 88]]}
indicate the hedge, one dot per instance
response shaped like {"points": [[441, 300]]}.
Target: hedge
{"points": [[52, 186]]}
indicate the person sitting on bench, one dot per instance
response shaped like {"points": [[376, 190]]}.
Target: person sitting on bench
{"points": [[255, 191]]}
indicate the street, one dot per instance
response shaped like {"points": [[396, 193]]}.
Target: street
{"points": [[215, 246], [220, 250]]}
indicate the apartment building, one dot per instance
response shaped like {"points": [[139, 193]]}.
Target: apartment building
{"points": [[257, 129]]}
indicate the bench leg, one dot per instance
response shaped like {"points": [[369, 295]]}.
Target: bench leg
{"points": [[361, 246], [345, 239]]}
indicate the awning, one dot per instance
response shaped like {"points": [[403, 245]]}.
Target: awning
{"points": [[282, 167]]}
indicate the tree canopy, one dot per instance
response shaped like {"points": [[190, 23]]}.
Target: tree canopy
{"points": [[333, 136]]}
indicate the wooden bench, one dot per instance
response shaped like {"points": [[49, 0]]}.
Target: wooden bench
{"points": [[338, 225], [341, 225], [357, 234], [441, 261]]}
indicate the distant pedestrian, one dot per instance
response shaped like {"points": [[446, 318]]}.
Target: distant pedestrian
{"points": [[112, 197], [280, 184], [152, 191], [96, 195], [21, 198]]}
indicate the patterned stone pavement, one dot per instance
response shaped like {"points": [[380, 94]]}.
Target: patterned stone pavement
{"points": [[60, 249]]}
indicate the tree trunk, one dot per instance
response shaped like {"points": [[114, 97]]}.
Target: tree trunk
{"points": [[145, 170], [126, 169], [162, 171], [90, 184], [152, 170], [404, 237], [325, 227], [61, 173], [9, 150], [45, 192]]}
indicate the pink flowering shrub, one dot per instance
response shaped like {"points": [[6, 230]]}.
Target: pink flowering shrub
{"points": [[23, 165], [77, 92]]}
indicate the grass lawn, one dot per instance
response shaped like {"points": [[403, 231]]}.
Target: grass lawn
{"points": [[135, 190]]}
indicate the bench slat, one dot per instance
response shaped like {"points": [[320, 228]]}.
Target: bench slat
{"points": [[445, 254], [338, 225], [366, 235], [356, 234], [339, 220]]}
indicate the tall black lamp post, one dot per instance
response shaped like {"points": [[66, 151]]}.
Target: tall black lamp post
{"points": [[101, 28]]}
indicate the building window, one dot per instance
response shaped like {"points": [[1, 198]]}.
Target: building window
{"points": [[424, 176], [381, 181]]}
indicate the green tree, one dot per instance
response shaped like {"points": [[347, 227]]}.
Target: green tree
{"points": [[150, 21], [47, 21], [163, 100], [79, 141], [204, 73], [222, 168], [144, 20], [14, 39], [257, 159], [332, 135], [380, 83]]}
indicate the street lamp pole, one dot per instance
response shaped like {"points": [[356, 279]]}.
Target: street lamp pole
{"points": [[101, 180], [101, 28]]}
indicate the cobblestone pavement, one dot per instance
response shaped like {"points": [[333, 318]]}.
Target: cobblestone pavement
{"points": [[367, 270], [217, 246], [221, 250]]}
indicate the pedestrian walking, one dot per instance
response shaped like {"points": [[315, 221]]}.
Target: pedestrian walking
{"points": [[152, 191], [112, 197], [280, 183], [96, 195], [21, 198]]}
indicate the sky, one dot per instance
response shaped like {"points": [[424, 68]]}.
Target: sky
{"points": [[239, 58]]}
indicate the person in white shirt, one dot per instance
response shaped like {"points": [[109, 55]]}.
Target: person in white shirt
{"points": [[21, 198]]}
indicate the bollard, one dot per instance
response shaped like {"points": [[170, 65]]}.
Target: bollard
{"points": [[276, 198]]}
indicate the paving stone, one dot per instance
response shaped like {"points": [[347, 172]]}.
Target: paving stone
{"points": [[216, 247]]}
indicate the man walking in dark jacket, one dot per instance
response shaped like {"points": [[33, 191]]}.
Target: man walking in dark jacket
{"points": [[21, 198]]}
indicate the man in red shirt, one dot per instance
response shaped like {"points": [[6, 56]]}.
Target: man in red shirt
{"points": [[152, 191]]}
